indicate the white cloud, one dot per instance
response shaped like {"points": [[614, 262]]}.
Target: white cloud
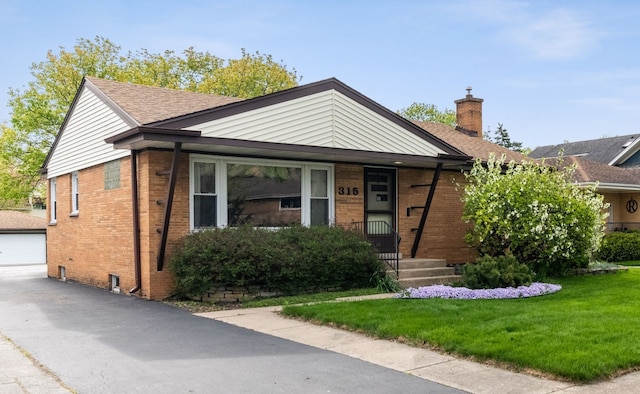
{"points": [[559, 34]]}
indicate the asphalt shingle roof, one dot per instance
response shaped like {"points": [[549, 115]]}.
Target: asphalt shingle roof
{"points": [[15, 220], [593, 171], [475, 147], [149, 104], [602, 150]]}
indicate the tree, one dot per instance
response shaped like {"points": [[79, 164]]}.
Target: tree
{"points": [[250, 76], [535, 212], [17, 159], [38, 110], [422, 112], [502, 138]]}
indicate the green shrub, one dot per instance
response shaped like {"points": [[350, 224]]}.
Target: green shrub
{"points": [[620, 246], [288, 260], [502, 271]]}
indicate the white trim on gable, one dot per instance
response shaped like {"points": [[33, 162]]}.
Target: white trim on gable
{"points": [[325, 119], [626, 153], [81, 144]]}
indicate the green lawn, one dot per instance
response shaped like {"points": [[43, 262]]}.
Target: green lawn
{"points": [[589, 330]]}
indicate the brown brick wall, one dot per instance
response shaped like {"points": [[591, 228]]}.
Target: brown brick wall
{"points": [[154, 188], [349, 208], [98, 241], [444, 230]]}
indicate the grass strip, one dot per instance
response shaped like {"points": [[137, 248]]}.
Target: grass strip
{"points": [[590, 330]]}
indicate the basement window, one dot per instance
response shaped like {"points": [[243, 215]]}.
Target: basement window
{"points": [[114, 283], [62, 274]]}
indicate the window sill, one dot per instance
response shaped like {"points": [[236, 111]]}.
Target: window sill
{"points": [[74, 214]]}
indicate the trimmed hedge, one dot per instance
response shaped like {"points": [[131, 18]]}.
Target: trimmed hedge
{"points": [[494, 272], [620, 246], [288, 260]]}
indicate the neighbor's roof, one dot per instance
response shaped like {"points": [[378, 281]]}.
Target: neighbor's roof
{"points": [[148, 104], [16, 221], [476, 147], [608, 177], [602, 150]]}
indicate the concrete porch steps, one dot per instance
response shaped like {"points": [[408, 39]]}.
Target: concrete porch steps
{"points": [[426, 272]]}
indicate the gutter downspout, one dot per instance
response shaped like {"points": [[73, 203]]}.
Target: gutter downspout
{"points": [[136, 222], [167, 212]]}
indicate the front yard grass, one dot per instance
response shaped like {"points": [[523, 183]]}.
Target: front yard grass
{"points": [[589, 330]]}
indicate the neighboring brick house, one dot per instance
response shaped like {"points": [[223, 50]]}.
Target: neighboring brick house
{"points": [[136, 168], [613, 164]]}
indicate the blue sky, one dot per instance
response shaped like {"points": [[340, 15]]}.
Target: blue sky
{"points": [[550, 71]]}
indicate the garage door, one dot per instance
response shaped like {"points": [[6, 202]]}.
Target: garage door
{"points": [[23, 249]]}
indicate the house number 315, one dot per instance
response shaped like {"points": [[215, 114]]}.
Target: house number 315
{"points": [[349, 191]]}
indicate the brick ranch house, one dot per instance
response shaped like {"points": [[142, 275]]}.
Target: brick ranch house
{"points": [[135, 168]]}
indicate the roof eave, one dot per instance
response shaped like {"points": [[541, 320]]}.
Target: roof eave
{"points": [[612, 187], [143, 137]]}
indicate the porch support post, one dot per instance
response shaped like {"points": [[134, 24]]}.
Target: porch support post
{"points": [[425, 211], [167, 209]]}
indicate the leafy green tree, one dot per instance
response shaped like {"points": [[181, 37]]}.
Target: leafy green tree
{"points": [[250, 76], [17, 159], [502, 138], [38, 109], [535, 212], [422, 112]]}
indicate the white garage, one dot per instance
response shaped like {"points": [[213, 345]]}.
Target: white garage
{"points": [[23, 239]]}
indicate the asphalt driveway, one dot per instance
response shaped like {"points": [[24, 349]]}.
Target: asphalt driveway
{"points": [[99, 342]]}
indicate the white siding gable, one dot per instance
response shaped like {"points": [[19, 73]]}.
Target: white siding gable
{"points": [[81, 144], [326, 119]]}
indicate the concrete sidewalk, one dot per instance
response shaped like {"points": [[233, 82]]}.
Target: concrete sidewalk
{"points": [[444, 369], [19, 374]]}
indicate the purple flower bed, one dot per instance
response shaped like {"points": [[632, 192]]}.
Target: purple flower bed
{"points": [[463, 293]]}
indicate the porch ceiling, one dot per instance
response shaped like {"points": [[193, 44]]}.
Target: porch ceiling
{"points": [[141, 138]]}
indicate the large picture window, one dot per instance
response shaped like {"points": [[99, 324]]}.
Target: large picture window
{"points": [[256, 195], [261, 193]]}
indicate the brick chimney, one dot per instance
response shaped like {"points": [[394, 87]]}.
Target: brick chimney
{"points": [[469, 115]]}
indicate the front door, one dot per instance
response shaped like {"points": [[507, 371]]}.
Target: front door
{"points": [[380, 208]]}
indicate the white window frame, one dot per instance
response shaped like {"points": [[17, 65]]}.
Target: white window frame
{"points": [[220, 208], [221, 184], [53, 201], [75, 194]]}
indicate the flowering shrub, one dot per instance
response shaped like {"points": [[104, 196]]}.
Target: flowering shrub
{"points": [[534, 212], [463, 293]]}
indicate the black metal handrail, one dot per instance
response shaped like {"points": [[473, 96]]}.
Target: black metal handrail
{"points": [[622, 226], [384, 239]]}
